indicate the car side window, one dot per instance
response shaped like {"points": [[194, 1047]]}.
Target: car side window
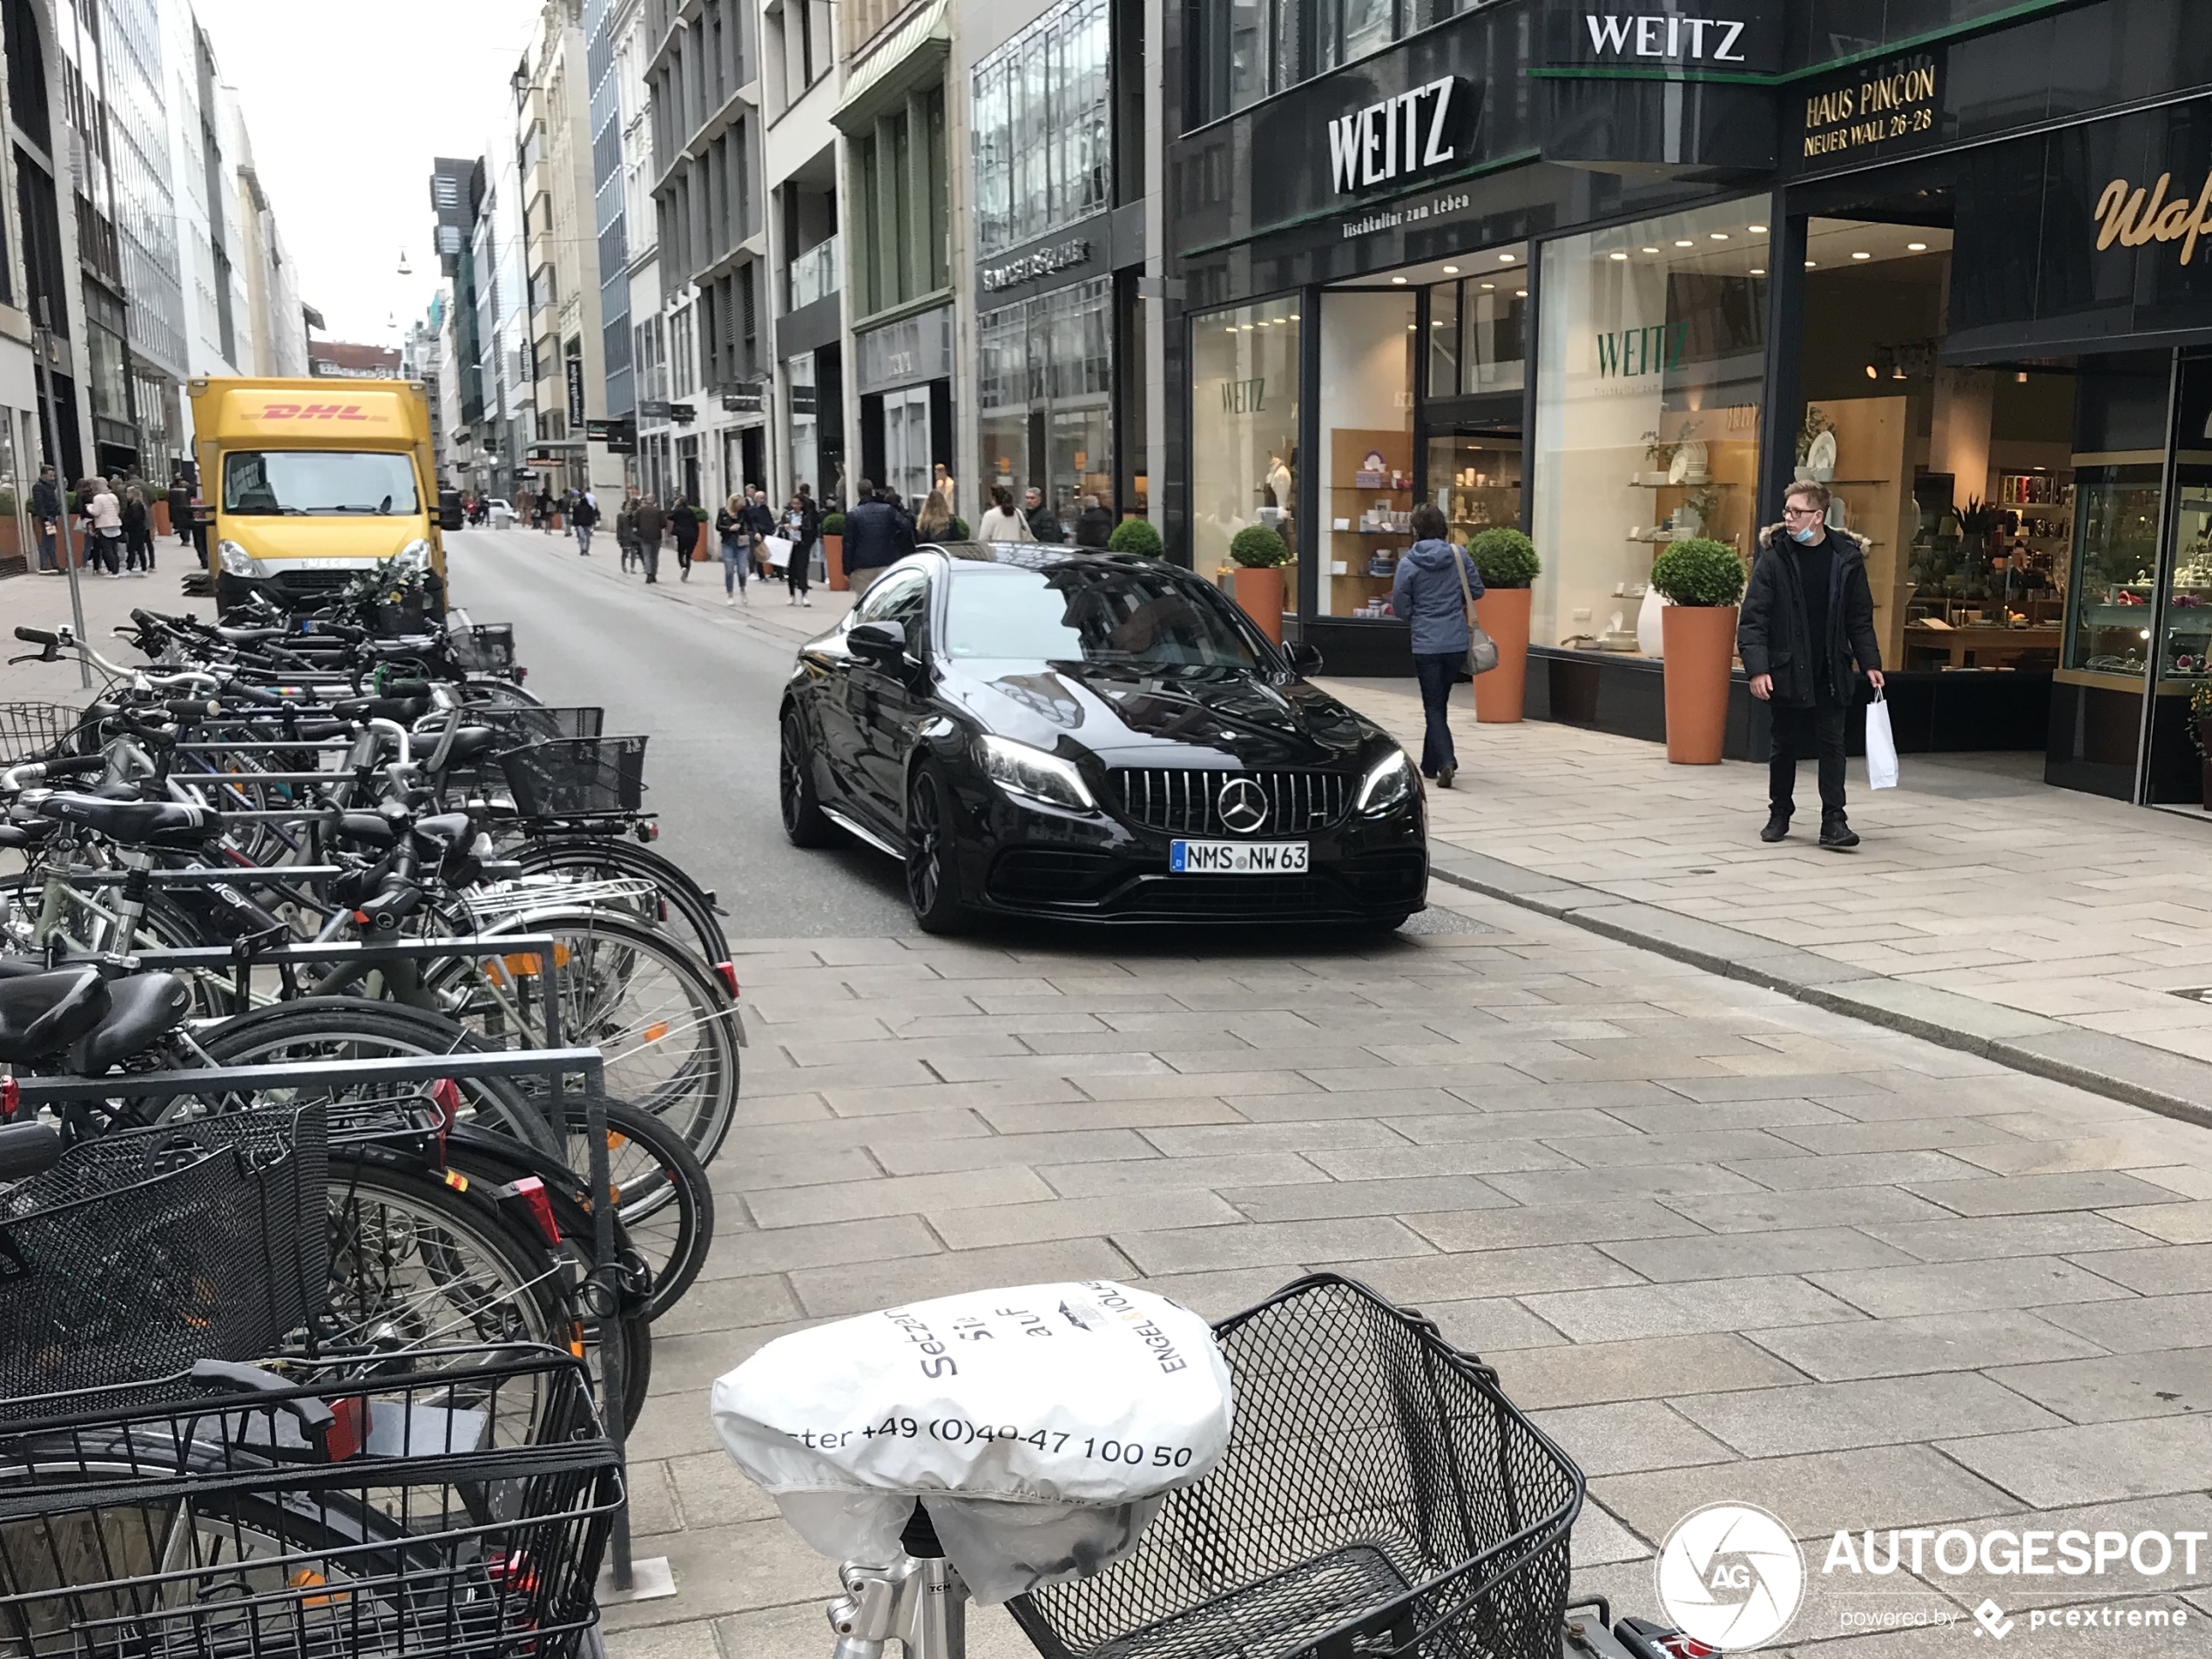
{"points": [[900, 599]]}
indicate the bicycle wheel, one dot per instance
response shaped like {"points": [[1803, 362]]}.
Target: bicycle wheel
{"points": [[662, 1195], [592, 858], [663, 1024], [497, 694]]}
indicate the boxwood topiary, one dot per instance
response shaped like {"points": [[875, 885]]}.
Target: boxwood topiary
{"points": [[1506, 557], [1258, 547], [1136, 536], [832, 523], [1699, 571]]}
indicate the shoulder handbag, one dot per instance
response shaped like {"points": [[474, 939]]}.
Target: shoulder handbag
{"points": [[1482, 650]]}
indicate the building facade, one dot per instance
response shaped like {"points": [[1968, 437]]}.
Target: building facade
{"points": [[1620, 282], [801, 77]]}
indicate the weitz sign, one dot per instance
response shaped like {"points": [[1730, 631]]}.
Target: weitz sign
{"points": [[1709, 35], [1412, 133]]}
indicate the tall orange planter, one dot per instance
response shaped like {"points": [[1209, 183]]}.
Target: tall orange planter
{"points": [[1503, 613], [1259, 590], [1700, 643], [833, 557]]}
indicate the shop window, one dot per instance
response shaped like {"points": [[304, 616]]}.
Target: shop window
{"points": [[1648, 379], [1368, 351], [1476, 326], [1243, 429], [1044, 396], [1043, 127]]}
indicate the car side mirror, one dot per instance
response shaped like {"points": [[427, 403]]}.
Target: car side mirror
{"points": [[881, 642], [449, 514], [1304, 658]]}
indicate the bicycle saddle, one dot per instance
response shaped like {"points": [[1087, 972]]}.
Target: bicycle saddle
{"points": [[250, 635], [42, 1013], [17, 836], [141, 1010], [138, 823], [473, 743]]}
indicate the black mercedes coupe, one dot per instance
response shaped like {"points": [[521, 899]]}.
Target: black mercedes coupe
{"points": [[1042, 732]]}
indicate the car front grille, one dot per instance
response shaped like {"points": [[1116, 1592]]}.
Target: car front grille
{"points": [[313, 581], [1184, 801]]}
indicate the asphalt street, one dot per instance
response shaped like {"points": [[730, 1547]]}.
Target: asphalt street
{"points": [[705, 693]]}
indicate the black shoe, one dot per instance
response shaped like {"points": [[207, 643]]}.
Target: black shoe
{"points": [[1777, 825], [1444, 776], [1837, 834]]}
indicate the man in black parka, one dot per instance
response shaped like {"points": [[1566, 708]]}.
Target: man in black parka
{"points": [[1807, 617]]}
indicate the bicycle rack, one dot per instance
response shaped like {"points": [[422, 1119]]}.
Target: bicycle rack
{"points": [[553, 1062]]}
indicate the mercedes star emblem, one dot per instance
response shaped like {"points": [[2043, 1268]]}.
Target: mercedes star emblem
{"points": [[1243, 805]]}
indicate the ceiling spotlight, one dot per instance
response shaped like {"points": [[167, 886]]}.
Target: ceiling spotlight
{"points": [[1718, 236], [1620, 256], [1248, 327], [1685, 242], [1399, 280], [1409, 328], [1294, 316], [1504, 258], [2020, 379], [1810, 263], [1897, 373], [1862, 256], [1231, 330], [1758, 270], [1916, 248], [1451, 270], [1872, 373], [1489, 285], [1756, 230], [1651, 250], [1520, 294]]}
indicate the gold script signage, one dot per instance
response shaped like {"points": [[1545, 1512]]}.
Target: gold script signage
{"points": [[2127, 217], [1878, 109]]}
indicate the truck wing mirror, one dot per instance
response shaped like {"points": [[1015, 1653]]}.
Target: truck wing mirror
{"points": [[449, 514]]}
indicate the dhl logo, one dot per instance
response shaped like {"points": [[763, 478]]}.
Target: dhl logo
{"points": [[312, 412]]}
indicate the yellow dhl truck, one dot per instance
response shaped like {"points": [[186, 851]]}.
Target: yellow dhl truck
{"points": [[305, 484]]}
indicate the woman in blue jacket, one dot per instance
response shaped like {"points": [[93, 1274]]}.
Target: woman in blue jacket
{"points": [[1427, 595]]}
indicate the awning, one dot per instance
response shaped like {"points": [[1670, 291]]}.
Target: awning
{"points": [[921, 43]]}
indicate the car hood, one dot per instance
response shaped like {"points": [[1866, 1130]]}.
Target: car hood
{"points": [[1138, 716]]}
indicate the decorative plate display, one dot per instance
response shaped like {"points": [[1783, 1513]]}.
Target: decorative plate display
{"points": [[1820, 459]]}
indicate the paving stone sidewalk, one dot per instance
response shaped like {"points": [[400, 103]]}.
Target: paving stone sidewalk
{"points": [[1722, 1244], [2060, 930]]}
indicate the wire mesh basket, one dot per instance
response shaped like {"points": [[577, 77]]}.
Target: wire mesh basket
{"points": [[535, 724], [36, 731], [484, 647], [576, 777], [141, 1252], [1379, 1496], [336, 1516]]}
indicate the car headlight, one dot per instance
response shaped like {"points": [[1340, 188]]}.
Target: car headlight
{"points": [[1389, 785], [416, 556], [1031, 774], [236, 560]]}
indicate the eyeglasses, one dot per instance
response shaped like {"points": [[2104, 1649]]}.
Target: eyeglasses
{"points": [[1803, 512]]}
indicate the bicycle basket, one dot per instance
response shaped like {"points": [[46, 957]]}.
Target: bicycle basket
{"points": [[576, 777], [345, 1516], [141, 1252], [1379, 1496], [36, 731], [484, 648], [533, 725]]}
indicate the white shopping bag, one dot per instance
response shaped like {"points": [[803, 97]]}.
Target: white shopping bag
{"points": [[1881, 746], [776, 550]]}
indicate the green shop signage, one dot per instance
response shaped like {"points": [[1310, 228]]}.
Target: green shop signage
{"points": [[1627, 352]]}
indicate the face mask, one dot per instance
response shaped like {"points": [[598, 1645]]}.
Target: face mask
{"points": [[1805, 534]]}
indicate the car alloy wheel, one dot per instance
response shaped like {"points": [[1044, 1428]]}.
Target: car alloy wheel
{"points": [[931, 873], [805, 823]]}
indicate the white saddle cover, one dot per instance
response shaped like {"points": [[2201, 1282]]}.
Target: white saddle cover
{"points": [[1041, 1425]]}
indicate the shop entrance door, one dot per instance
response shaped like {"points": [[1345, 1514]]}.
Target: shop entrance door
{"points": [[2174, 770], [906, 444]]}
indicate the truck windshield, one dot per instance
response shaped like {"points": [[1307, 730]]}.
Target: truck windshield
{"points": [[318, 482]]}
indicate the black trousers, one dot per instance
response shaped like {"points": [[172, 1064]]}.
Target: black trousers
{"points": [[1437, 672], [1819, 729]]}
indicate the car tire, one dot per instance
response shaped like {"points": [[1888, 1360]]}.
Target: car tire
{"points": [[933, 862], [805, 823]]}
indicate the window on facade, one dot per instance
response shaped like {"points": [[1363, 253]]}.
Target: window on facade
{"points": [[1249, 49], [1042, 128], [904, 232], [1650, 374], [1044, 396], [1245, 423]]}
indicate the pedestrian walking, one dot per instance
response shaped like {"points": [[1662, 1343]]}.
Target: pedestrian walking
{"points": [[584, 513], [46, 507], [802, 527], [180, 506], [756, 521], [1094, 524], [942, 483], [1004, 522], [1435, 583], [935, 521], [878, 533], [137, 532], [650, 521], [626, 529], [683, 521], [1807, 617], [103, 526], [735, 536], [1044, 524]]}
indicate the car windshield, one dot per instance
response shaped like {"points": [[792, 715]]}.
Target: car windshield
{"points": [[1092, 613], [318, 482]]}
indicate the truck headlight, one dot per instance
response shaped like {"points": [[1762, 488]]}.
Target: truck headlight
{"points": [[416, 556], [236, 560]]}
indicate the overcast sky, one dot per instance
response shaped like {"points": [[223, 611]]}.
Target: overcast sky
{"points": [[347, 103]]}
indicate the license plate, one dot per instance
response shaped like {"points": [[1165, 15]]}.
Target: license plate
{"points": [[1237, 858]]}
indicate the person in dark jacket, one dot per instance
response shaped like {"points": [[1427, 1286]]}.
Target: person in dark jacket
{"points": [[1426, 593], [137, 532], [879, 532], [651, 521], [583, 513], [180, 507], [1094, 524], [802, 527], [683, 523], [757, 521], [1807, 617], [626, 528], [46, 507], [1044, 524]]}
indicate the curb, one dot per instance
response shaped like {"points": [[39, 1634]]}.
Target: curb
{"points": [[2171, 1085]]}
